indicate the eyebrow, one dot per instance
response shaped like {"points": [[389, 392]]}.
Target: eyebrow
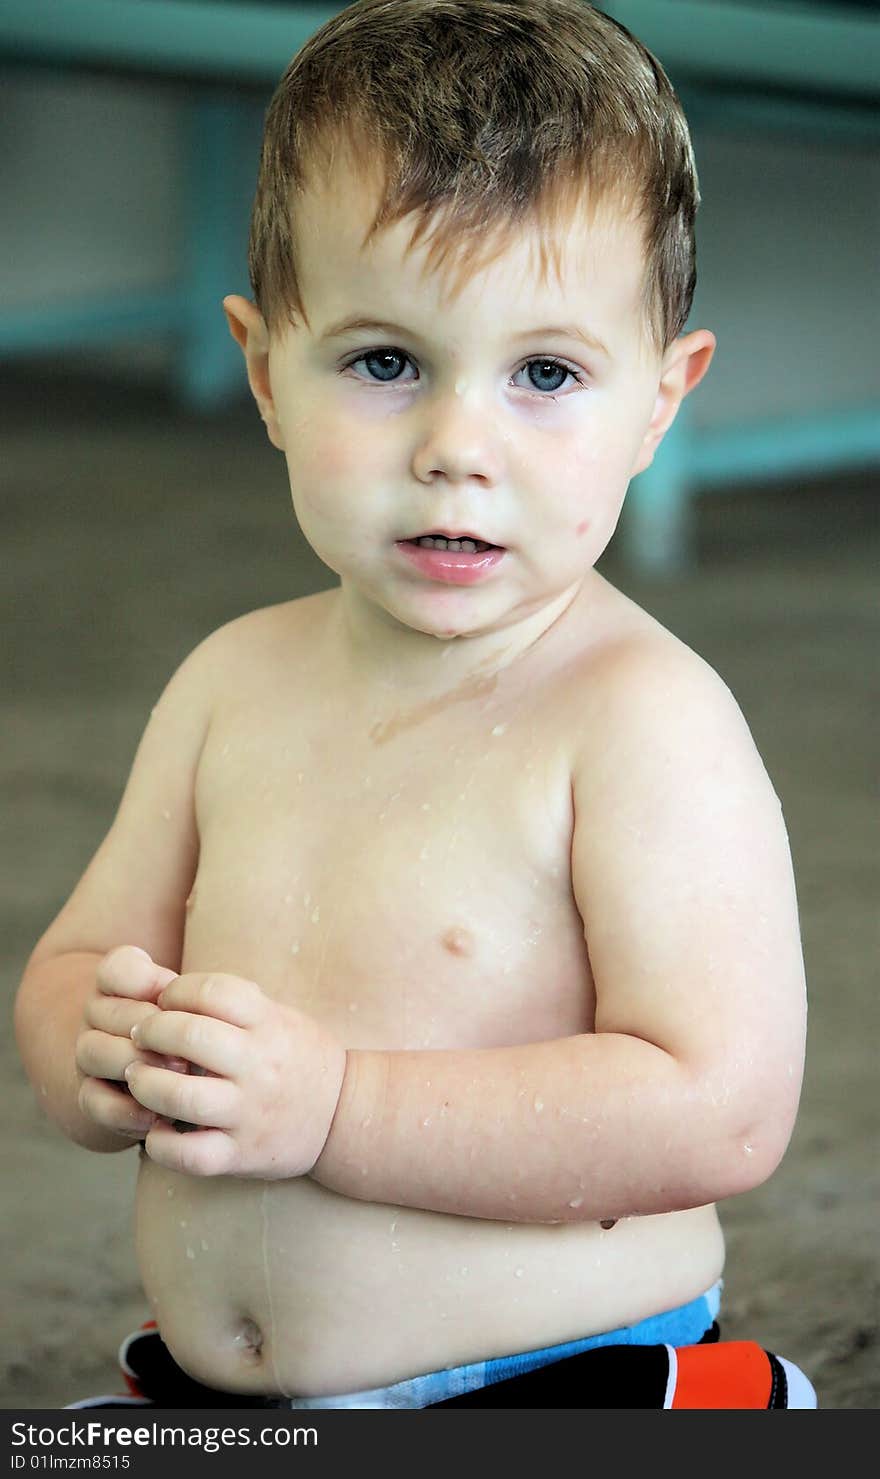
{"points": [[382, 326]]}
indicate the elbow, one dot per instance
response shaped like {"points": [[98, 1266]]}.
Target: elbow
{"points": [[746, 1154]]}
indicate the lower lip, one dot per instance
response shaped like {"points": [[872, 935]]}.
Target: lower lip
{"points": [[452, 567]]}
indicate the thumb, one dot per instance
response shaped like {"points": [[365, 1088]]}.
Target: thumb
{"points": [[129, 971]]}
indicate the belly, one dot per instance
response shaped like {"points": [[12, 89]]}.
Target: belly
{"points": [[284, 1287]]}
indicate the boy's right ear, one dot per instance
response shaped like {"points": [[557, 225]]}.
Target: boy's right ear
{"points": [[248, 329]]}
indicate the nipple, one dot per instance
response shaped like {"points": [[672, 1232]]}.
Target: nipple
{"points": [[458, 941]]}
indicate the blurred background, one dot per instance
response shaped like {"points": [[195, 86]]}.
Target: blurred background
{"points": [[141, 506]]}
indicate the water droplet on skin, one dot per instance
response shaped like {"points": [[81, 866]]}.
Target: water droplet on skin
{"points": [[426, 1122], [294, 949], [288, 898], [538, 1104], [364, 1123], [577, 1202], [518, 1273], [166, 815], [463, 1270], [748, 1149], [426, 806], [225, 750], [395, 1247], [423, 854], [382, 816], [499, 730], [204, 1246], [299, 776], [169, 1191], [190, 1252], [184, 1224], [44, 1091], [316, 915], [307, 899]]}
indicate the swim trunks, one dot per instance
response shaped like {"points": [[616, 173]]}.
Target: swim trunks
{"points": [[673, 1360]]}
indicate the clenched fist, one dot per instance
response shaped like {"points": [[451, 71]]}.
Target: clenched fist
{"points": [[262, 1085], [127, 985]]}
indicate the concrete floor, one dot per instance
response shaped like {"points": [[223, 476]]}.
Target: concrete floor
{"points": [[130, 530]]}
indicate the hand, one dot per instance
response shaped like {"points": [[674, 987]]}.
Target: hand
{"points": [[265, 1085], [127, 985]]}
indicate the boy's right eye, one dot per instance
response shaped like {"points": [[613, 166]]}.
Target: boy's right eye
{"points": [[384, 365]]}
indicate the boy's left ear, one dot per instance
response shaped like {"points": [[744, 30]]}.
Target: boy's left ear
{"points": [[684, 365]]}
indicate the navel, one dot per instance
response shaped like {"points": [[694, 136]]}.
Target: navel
{"points": [[248, 1339]]}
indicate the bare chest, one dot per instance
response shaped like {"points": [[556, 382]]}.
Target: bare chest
{"points": [[405, 879]]}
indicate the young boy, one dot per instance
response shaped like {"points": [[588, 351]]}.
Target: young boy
{"points": [[444, 953]]}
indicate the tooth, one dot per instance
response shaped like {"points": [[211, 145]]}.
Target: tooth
{"points": [[427, 542], [469, 546], [453, 544]]}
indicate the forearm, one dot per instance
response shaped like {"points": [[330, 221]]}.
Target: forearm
{"points": [[48, 1018], [581, 1128]]}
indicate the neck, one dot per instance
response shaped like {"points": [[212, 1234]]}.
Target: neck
{"points": [[384, 652]]}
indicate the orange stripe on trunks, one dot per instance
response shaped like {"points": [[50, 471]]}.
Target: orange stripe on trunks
{"points": [[735, 1373]]}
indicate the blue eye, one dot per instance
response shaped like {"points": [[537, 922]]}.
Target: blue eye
{"points": [[548, 369], [387, 363]]}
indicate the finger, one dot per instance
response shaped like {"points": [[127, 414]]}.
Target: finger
{"points": [[98, 1055], [229, 998], [176, 1096], [213, 1045], [129, 971], [114, 1109], [101, 1055], [203, 1153], [117, 1014]]}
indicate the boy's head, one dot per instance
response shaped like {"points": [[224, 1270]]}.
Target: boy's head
{"points": [[471, 171], [476, 116]]}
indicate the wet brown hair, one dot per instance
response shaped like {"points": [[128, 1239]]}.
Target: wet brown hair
{"points": [[481, 117]]}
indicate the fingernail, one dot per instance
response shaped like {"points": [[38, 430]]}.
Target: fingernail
{"points": [[128, 1071], [135, 1032]]}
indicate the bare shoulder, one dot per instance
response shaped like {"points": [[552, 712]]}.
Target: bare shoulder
{"points": [[658, 708], [259, 639], [134, 889]]}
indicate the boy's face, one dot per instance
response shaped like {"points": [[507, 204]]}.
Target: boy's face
{"points": [[483, 416]]}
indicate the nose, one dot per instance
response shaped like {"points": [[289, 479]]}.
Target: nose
{"points": [[457, 441]]}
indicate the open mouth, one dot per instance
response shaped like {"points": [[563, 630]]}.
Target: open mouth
{"points": [[452, 559], [456, 543]]}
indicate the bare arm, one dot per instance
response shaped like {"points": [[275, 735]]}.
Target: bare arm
{"points": [[687, 1090], [134, 889]]}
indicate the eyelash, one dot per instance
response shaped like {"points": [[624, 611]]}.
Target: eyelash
{"points": [[546, 395]]}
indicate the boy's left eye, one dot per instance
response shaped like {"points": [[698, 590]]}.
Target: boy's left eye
{"points": [[385, 365]]}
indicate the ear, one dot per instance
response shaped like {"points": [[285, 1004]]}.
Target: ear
{"points": [[248, 329], [684, 365]]}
